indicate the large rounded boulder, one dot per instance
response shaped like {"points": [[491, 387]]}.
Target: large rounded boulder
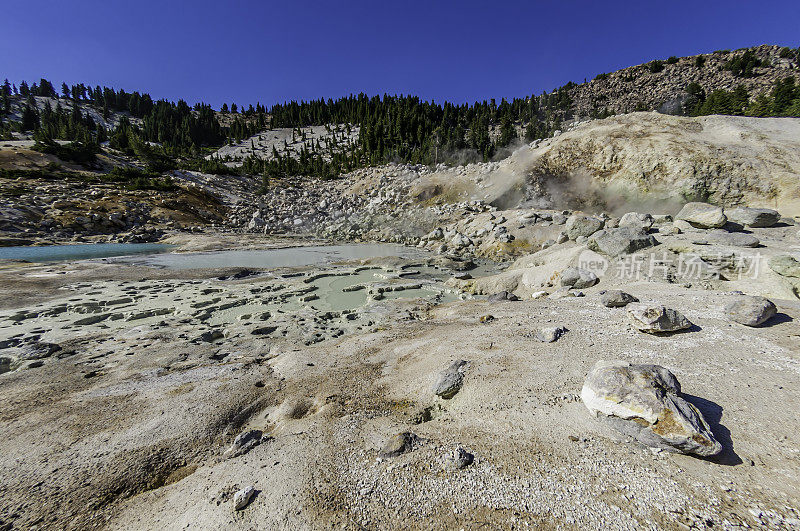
{"points": [[644, 403], [702, 215]]}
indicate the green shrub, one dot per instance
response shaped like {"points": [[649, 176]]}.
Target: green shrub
{"points": [[743, 65], [77, 152], [138, 179], [700, 61], [672, 60], [655, 66], [212, 165], [785, 52], [600, 77]]}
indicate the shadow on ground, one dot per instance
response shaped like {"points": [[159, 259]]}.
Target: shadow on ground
{"points": [[713, 414]]}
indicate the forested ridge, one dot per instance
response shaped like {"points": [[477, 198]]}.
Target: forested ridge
{"points": [[404, 128]]}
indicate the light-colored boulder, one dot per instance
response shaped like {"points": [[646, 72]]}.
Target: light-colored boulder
{"points": [[636, 220], [655, 319], [753, 217], [578, 278], [702, 215], [750, 311], [616, 242], [644, 402], [578, 225], [731, 239], [785, 265]]}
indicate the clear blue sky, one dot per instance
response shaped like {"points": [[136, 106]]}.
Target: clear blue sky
{"points": [[248, 51]]}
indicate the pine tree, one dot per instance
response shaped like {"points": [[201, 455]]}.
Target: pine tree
{"points": [[30, 118]]}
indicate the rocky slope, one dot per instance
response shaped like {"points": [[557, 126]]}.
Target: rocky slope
{"points": [[637, 87]]}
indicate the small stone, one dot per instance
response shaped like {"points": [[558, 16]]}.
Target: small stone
{"points": [[750, 311], [564, 292], [488, 318], [398, 444], [655, 319], [243, 497], [615, 298], [550, 334], [243, 443], [502, 296], [538, 294], [462, 458], [702, 215], [450, 380]]}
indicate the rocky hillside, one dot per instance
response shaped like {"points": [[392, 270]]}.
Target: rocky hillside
{"points": [[661, 159], [661, 85]]}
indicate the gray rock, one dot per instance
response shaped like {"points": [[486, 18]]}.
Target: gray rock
{"points": [[38, 350], [636, 220], [548, 243], [734, 239], [450, 380], [398, 444], [578, 225], [243, 443], [562, 237], [750, 311], [644, 402], [211, 335], [502, 296], [702, 215], [753, 217], [462, 458], [550, 334], [785, 265], [680, 226], [578, 278], [559, 219], [243, 497], [615, 298], [616, 242], [655, 319]]}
